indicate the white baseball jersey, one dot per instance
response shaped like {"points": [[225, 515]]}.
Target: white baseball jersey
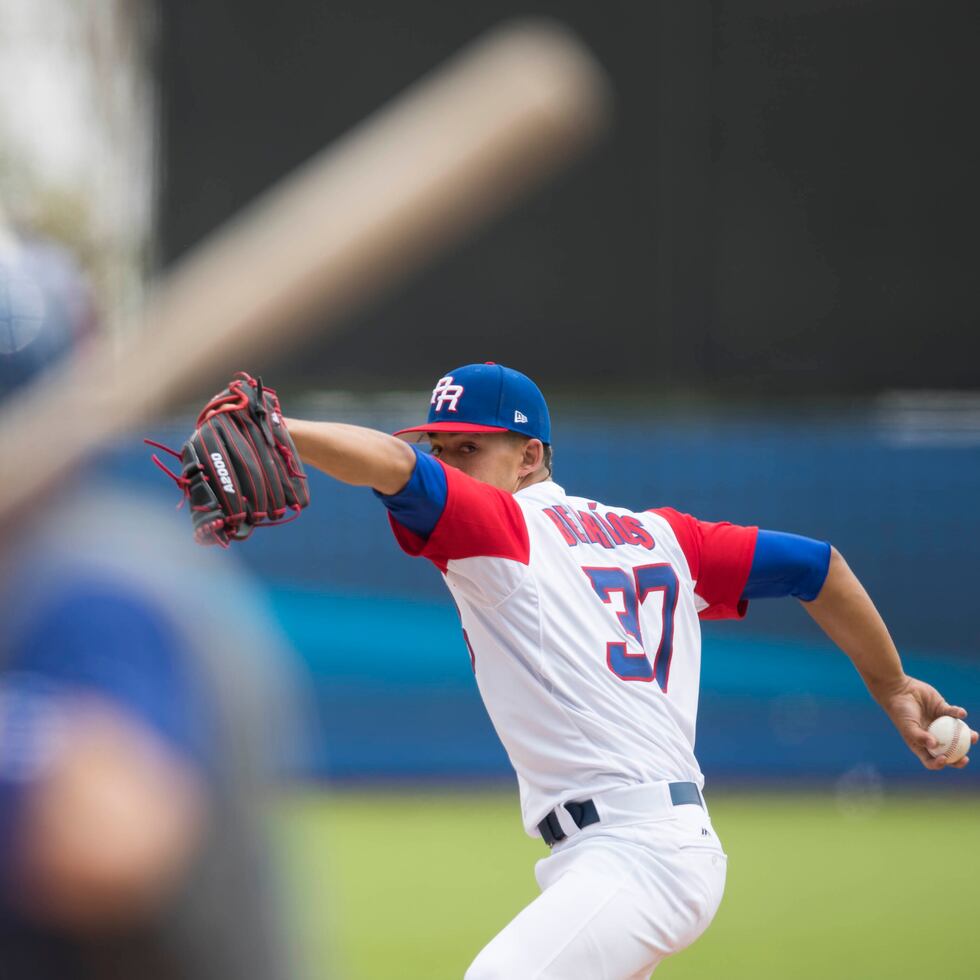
{"points": [[582, 624]]}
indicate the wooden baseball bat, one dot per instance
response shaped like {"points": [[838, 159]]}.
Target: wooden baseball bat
{"points": [[373, 207]]}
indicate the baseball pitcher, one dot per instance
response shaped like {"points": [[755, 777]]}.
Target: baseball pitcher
{"points": [[582, 622]]}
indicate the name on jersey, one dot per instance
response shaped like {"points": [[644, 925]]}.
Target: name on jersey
{"points": [[590, 527]]}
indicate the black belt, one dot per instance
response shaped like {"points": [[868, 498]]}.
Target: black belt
{"points": [[584, 813]]}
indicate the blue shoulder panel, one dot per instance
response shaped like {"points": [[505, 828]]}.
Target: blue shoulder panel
{"points": [[787, 564], [420, 503]]}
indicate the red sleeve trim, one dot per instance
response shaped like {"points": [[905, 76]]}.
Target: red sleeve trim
{"points": [[685, 530], [727, 551], [411, 543], [478, 521], [720, 559]]}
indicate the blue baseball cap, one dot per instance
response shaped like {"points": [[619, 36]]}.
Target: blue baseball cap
{"points": [[485, 398]]}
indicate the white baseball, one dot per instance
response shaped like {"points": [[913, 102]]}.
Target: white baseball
{"points": [[953, 736]]}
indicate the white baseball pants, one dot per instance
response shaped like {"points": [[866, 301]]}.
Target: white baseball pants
{"points": [[617, 897]]}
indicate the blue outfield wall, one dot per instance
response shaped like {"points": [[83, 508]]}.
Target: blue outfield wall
{"points": [[396, 696], [380, 641]]}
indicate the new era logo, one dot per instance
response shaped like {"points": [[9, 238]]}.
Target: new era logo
{"points": [[520, 417]]}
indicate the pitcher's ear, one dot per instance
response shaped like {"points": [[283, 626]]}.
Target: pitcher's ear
{"points": [[533, 456]]}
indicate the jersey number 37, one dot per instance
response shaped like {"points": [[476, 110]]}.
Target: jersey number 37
{"points": [[626, 593]]}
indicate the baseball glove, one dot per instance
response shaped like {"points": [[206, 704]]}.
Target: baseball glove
{"points": [[240, 468]]}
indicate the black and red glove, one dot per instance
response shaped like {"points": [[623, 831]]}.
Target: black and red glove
{"points": [[240, 467]]}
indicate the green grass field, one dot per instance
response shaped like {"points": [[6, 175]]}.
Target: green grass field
{"points": [[395, 885]]}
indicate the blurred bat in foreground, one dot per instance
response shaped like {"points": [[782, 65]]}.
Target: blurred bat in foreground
{"points": [[370, 209]]}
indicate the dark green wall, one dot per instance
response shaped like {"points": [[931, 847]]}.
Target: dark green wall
{"points": [[787, 203]]}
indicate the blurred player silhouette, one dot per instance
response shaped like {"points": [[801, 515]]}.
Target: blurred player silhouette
{"points": [[141, 695], [582, 621]]}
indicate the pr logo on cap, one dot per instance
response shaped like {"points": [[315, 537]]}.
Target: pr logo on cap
{"points": [[445, 391], [519, 416]]}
